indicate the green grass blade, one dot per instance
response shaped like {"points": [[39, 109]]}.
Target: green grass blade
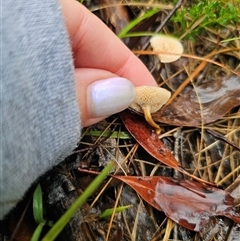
{"points": [[139, 34], [109, 211], [38, 205], [61, 223], [116, 134], [37, 232], [136, 21]]}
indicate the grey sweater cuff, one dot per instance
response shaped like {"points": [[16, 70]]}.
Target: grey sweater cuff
{"points": [[40, 121]]}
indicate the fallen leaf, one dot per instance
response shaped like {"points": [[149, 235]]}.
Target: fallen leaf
{"points": [[203, 104], [115, 15], [190, 204], [143, 133]]}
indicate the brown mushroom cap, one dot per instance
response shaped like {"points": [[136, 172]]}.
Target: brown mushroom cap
{"points": [[150, 97], [167, 44], [148, 100]]}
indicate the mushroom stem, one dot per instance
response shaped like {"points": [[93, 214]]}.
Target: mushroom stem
{"points": [[149, 119]]}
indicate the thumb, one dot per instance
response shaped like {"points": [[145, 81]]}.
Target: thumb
{"points": [[100, 93]]}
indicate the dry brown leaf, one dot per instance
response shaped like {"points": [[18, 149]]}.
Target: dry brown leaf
{"points": [[189, 203], [203, 104], [148, 139]]}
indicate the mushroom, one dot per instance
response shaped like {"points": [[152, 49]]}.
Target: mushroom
{"points": [[167, 44], [149, 100]]}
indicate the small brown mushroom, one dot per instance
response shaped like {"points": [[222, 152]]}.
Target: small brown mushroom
{"points": [[167, 44], [149, 100]]}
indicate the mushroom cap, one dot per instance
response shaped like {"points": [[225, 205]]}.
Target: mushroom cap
{"points": [[150, 97], [167, 44]]}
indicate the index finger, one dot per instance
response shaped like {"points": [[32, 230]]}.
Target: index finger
{"points": [[94, 45]]}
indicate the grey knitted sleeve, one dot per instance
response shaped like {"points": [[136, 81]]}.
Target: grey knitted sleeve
{"points": [[40, 121]]}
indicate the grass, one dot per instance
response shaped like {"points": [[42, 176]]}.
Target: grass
{"points": [[62, 222], [136, 21], [206, 14]]}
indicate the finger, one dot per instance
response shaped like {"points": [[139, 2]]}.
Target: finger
{"points": [[100, 93], [96, 46]]}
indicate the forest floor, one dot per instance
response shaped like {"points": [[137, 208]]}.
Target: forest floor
{"points": [[200, 137]]}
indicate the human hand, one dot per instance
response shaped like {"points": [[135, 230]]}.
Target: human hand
{"points": [[105, 69]]}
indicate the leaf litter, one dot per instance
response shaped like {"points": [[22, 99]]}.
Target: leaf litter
{"points": [[190, 204], [202, 104], [149, 140]]}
